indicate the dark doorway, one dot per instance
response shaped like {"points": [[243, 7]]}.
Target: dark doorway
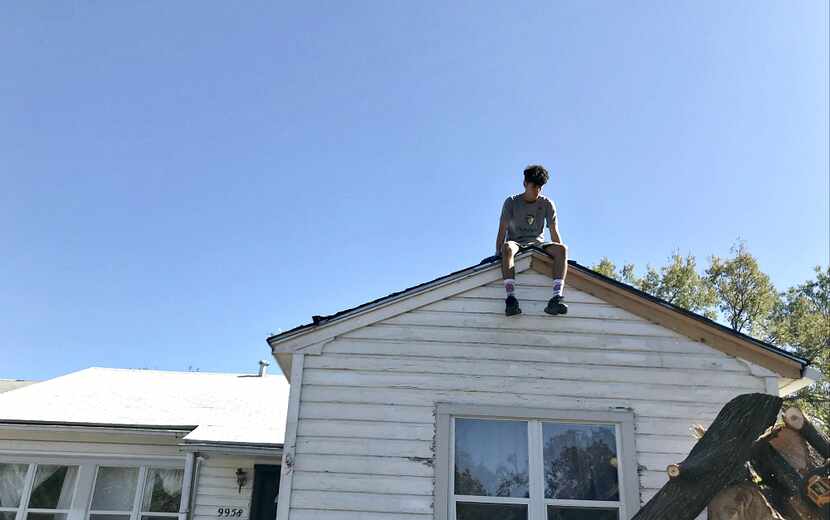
{"points": [[266, 488]]}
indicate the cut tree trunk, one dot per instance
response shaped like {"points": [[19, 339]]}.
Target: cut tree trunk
{"points": [[716, 461], [742, 501], [782, 459], [796, 420]]}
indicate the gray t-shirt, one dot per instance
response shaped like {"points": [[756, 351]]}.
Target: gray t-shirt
{"points": [[526, 220]]}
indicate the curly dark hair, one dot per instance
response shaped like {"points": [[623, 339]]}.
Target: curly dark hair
{"points": [[537, 174]]}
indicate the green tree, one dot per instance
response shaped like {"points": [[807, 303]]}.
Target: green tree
{"points": [[797, 320], [679, 283], [608, 268], [801, 322], [745, 295]]}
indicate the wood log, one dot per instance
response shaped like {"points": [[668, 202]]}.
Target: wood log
{"points": [[742, 501], [795, 419], [716, 461], [774, 469], [782, 459], [793, 447]]}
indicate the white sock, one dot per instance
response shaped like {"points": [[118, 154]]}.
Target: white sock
{"points": [[558, 287], [509, 286]]}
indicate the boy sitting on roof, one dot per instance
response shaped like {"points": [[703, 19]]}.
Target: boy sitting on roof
{"points": [[522, 227]]}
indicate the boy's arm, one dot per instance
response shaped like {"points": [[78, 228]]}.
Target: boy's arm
{"points": [[501, 235], [504, 220], [553, 224], [554, 232]]}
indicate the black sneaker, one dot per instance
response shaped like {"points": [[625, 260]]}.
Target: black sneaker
{"points": [[555, 306], [511, 306]]}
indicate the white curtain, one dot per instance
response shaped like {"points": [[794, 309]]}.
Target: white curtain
{"points": [[161, 482], [12, 478]]}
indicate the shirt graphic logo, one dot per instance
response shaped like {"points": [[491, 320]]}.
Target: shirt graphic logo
{"points": [[530, 219]]}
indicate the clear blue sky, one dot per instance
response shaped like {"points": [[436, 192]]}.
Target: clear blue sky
{"points": [[180, 179]]}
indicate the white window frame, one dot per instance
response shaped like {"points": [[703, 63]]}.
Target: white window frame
{"points": [[85, 482], [23, 508], [623, 421], [136, 513]]}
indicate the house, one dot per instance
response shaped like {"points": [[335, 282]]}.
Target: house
{"points": [[431, 404], [114, 444], [7, 385]]}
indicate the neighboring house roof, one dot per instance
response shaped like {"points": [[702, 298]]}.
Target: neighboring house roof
{"points": [[218, 408], [7, 385], [311, 336]]}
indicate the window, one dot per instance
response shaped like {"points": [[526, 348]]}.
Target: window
{"points": [[500, 463], [36, 491], [89, 491], [136, 493]]}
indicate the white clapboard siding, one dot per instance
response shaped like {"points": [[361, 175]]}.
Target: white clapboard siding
{"points": [[372, 502], [364, 465], [502, 322], [322, 514], [365, 436], [572, 387], [366, 447], [350, 482], [563, 355], [668, 408], [558, 370], [529, 308], [525, 338], [367, 412], [217, 486]]}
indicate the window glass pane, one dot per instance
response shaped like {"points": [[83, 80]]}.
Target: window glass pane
{"points": [[115, 489], [491, 458], [46, 516], [12, 479], [572, 513], [151, 517], [53, 487], [580, 461], [7, 515], [163, 491], [490, 511], [109, 517]]}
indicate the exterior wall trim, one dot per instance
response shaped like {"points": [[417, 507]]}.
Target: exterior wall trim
{"points": [[289, 448], [629, 485]]}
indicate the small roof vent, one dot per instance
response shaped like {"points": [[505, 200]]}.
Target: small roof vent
{"points": [[263, 367]]}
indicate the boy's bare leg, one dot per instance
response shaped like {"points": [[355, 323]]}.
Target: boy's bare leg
{"points": [[508, 265], [508, 271], [559, 252]]}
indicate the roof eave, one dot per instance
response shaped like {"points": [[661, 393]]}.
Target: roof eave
{"points": [[85, 427]]}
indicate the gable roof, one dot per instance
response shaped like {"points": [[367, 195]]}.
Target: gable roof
{"points": [[209, 407], [312, 336]]}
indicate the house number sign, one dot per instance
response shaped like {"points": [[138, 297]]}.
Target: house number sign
{"points": [[229, 512]]}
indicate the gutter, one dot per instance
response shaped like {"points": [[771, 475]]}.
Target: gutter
{"points": [[231, 448], [809, 376], [47, 426]]}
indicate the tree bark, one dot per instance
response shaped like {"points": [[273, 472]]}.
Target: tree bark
{"points": [[716, 461]]}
